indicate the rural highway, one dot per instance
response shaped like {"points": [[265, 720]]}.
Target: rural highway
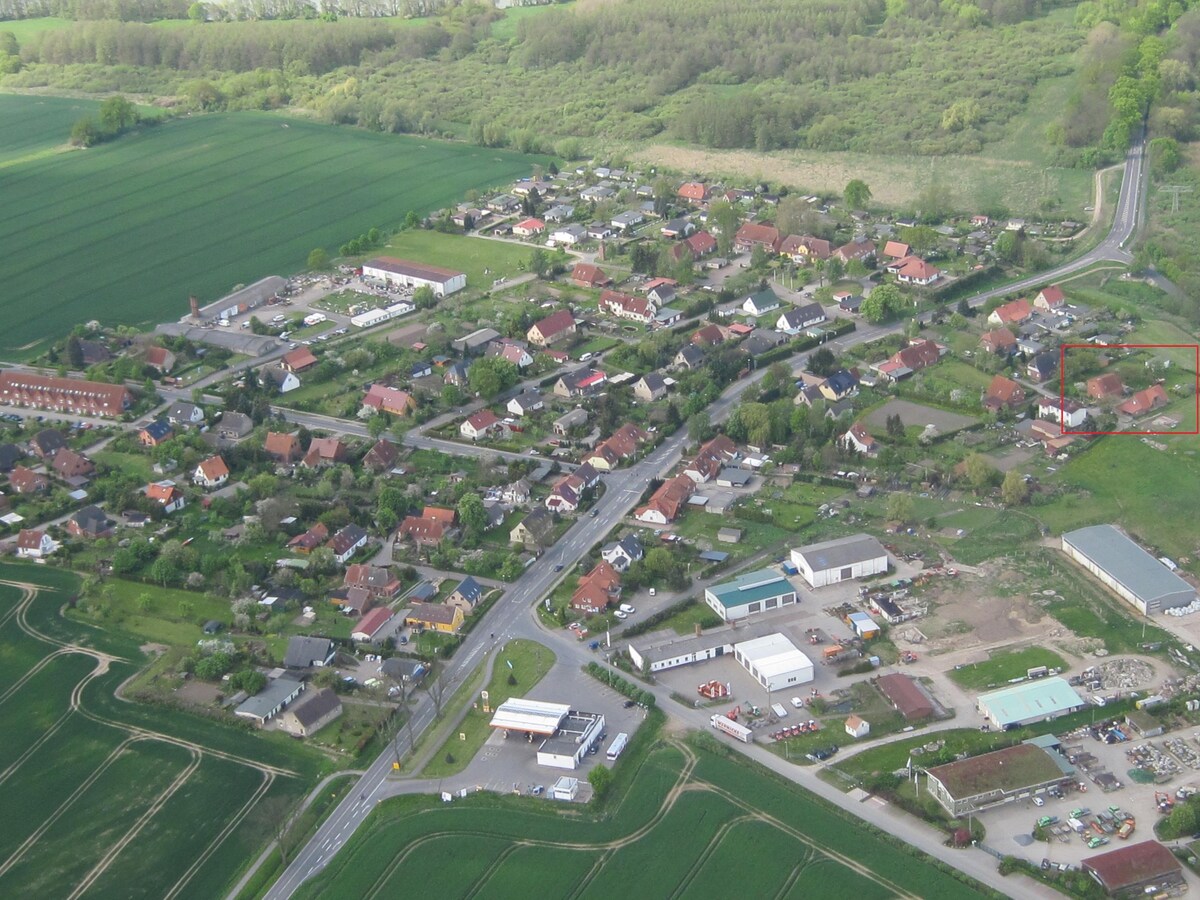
{"points": [[513, 615]]}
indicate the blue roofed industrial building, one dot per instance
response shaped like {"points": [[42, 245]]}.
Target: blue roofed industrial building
{"points": [[753, 592], [1031, 701]]}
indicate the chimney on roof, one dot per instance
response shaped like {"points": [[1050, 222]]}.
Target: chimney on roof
{"points": [[696, 627], [194, 301]]}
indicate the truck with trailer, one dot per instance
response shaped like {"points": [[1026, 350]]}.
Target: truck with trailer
{"points": [[732, 728]]}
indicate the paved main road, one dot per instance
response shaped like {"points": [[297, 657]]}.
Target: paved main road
{"points": [[513, 616]]}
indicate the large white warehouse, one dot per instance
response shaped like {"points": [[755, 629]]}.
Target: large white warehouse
{"points": [[774, 662], [407, 273], [1122, 565], [856, 556]]}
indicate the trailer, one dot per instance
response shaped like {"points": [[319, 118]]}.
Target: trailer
{"points": [[617, 746], [779, 711], [732, 728]]}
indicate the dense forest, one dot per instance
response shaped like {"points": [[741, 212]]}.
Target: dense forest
{"points": [[880, 76]]}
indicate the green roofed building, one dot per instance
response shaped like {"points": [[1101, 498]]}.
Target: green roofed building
{"points": [[754, 592], [1014, 773], [1031, 701]]}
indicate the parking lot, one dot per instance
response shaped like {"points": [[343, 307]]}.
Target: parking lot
{"points": [[1010, 826]]}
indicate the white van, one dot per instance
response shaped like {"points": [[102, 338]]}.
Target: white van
{"points": [[627, 609], [585, 357], [279, 319]]}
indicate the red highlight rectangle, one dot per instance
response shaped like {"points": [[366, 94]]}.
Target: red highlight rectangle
{"points": [[1062, 389]]}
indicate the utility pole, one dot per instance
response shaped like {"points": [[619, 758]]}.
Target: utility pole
{"points": [[1175, 190]]}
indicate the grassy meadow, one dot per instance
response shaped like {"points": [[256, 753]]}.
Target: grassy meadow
{"points": [[125, 232]]}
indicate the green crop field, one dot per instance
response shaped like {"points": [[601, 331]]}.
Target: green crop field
{"points": [[31, 127], [694, 822], [104, 785], [125, 232]]}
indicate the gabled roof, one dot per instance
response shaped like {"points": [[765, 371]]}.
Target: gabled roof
{"points": [[1141, 402], [214, 468], [299, 359], [283, 446], [302, 650], [1005, 391], [919, 354], [347, 538], [1052, 296], [434, 613], [426, 531], [555, 323], [1015, 312], [372, 622], [999, 338], [896, 249], [482, 420], [30, 539], [1107, 385], [469, 589], [158, 430]]}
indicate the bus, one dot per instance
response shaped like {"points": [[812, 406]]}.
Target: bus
{"points": [[617, 745]]}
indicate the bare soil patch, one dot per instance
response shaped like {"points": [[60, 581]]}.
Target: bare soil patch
{"points": [[917, 414]]}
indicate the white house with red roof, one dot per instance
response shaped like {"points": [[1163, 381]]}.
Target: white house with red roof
{"points": [[555, 327], [298, 360], [1050, 298], [211, 473], [916, 271], [1013, 313], [372, 626], [479, 424], [529, 227], [859, 439], [34, 544], [166, 495]]}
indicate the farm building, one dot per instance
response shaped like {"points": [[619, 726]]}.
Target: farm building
{"points": [[310, 713], [1114, 558], [406, 273], [990, 779], [271, 700], [857, 727], [751, 593], [1145, 868], [774, 662], [240, 301], [303, 652], [856, 556], [905, 695], [1032, 701]]}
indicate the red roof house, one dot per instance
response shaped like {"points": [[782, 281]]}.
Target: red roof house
{"points": [[1152, 398], [1105, 387], [1003, 393], [588, 275], [298, 360]]}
